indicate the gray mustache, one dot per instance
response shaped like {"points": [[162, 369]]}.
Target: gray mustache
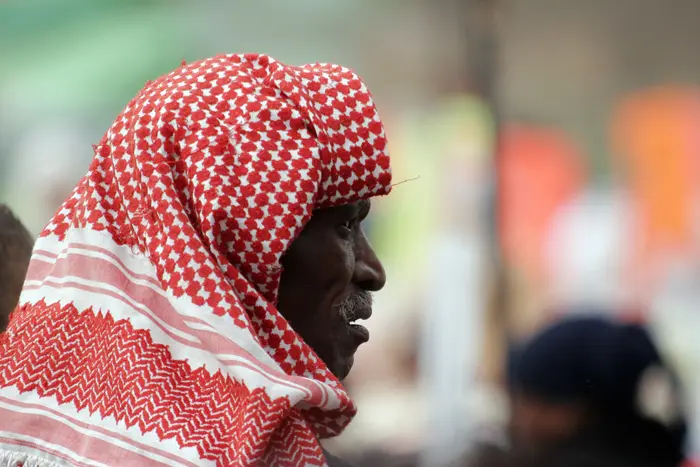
{"points": [[350, 304]]}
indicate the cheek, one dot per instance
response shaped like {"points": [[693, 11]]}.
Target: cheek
{"points": [[544, 423], [335, 276], [523, 420], [329, 259], [321, 267], [341, 267]]}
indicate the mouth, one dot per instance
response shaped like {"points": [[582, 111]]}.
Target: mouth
{"points": [[355, 307], [358, 331]]}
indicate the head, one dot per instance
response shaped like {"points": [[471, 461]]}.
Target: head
{"points": [[592, 378], [287, 183], [16, 245], [329, 274]]}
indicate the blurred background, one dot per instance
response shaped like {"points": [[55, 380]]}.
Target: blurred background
{"points": [[551, 152]]}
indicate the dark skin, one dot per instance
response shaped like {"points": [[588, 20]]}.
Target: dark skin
{"points": [[536, 423], [330, 261], [16, 245]]}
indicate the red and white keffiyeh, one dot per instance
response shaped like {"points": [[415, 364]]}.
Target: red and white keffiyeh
{"points": [[147, 332]]}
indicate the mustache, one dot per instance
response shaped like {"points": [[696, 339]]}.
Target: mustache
{"points": [[349, 306]]}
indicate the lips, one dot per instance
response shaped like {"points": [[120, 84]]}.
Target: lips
{"points": [[357, 331], [361, 313]]}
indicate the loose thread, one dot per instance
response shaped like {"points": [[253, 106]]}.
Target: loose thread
{"points": [[405, 181]]}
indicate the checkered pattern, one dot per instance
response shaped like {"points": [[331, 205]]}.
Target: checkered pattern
{"points": [[211, 172]]}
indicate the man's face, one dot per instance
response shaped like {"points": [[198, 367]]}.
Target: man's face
{"points": [[328, 274]]}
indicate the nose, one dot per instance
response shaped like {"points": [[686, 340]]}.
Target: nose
{"points": [[369, 273]]}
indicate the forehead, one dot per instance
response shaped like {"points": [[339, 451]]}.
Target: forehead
{"points": [[364, 205]]}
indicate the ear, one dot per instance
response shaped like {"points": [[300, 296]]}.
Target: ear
{"points": [[658, 396]]}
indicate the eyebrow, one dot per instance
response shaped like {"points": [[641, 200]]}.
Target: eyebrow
{"points": [[363, 207]]}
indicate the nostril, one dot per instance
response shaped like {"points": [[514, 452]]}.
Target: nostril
{"points": [[372, 277]]}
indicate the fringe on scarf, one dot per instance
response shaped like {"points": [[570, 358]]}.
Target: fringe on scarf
{"points": [[22, 459]]}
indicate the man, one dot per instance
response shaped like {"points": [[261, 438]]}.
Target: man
{"points": [[589, 385], [194, 302], [15, 250]]}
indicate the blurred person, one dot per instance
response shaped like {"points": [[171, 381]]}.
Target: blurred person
{"points": [[488, 455], [554, 458], [572, 455], [594, 385], [383, 458], [194, 301], [583, 456], [15, 251], [491, 455]]}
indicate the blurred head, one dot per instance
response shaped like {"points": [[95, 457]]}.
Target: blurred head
{"points": [[592, 378], [328, 276], [16, 245]]}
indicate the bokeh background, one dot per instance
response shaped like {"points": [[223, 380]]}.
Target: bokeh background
{"points": [[549, 149]]}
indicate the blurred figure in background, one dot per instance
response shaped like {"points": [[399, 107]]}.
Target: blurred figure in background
{"points": [[16, 245], [587, 385], [570, 458]]}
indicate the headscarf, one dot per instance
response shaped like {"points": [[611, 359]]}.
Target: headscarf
{"points": [[147, 332]]}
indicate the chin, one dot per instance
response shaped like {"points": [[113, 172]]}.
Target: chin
{"points": [[341, 368]]}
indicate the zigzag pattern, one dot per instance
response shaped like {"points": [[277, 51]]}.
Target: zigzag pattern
{"points": [[106, 367], [294, 444]]}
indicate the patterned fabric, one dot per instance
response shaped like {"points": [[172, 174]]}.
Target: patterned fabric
{"points": [[147, 332]]}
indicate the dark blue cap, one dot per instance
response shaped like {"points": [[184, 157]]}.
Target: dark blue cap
{"points": [[585, 358]]}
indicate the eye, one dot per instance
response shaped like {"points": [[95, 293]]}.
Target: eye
{"points": [[346, 228]]}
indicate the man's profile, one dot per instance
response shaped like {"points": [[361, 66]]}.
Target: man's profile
{"points": [[196, 300]]}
